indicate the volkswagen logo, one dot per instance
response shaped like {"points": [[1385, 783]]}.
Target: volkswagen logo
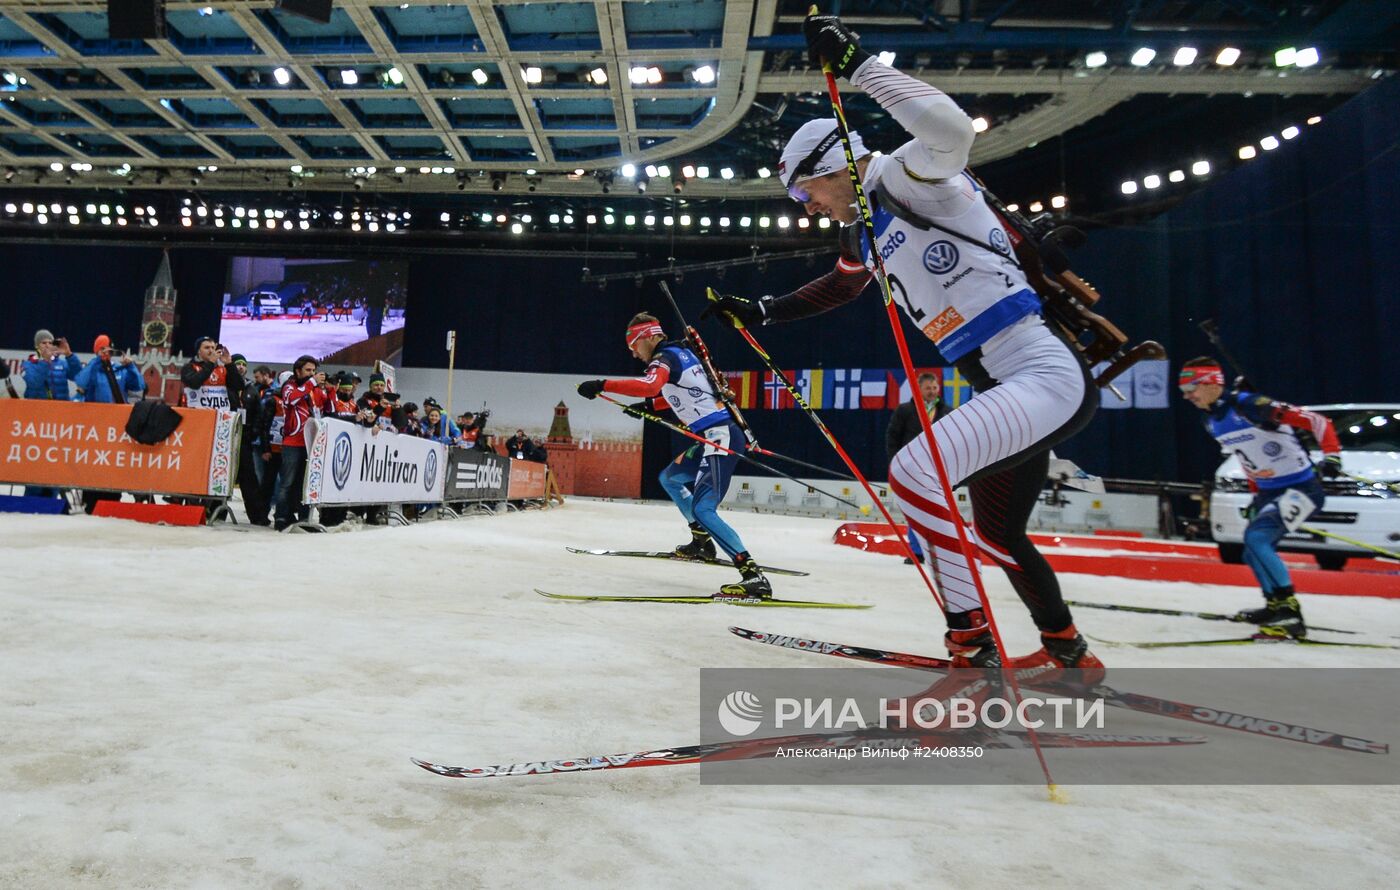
{"points": [[430, 471], [941, 257], [340, 461], [998, 239], [1273, 449]]}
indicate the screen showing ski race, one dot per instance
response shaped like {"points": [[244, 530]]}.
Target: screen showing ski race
{"points": [[276, 308]]}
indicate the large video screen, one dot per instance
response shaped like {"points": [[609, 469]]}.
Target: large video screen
{"points": [[276, 309]]}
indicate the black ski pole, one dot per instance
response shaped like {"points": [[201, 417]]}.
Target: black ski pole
{"points": [[647, 415]]}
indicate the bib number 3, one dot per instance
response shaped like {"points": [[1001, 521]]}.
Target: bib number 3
{"points": [[1294, 508]]}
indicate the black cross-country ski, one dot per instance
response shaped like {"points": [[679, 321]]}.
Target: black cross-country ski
{"points": [[700, 600], [1208, 616], [668, 555], [1132, 701], [1239, 641], [755, 749]]}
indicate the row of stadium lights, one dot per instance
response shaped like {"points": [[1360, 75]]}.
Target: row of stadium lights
{"points": [[106, 214], [1288, 57], [534, 75], [238, 217], [1153, 181], [393, 221]]}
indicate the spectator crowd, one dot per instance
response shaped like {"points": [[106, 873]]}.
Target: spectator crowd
{"points": [[276, 409]]}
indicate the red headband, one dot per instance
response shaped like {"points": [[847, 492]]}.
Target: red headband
{"points": [[641, 330], [1197, 375]]}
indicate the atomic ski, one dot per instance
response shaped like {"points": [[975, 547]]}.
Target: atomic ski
{"points": [[701, 600], [754, 749], [1237, 641], [1132, 701], [666, 554], [1208, 616]]}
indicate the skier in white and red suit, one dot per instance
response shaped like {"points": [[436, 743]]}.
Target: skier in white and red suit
{"points": [[964, 290]]}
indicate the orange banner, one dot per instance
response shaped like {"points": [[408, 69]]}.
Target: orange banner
{"points": [[85, 445], [526, 480]]}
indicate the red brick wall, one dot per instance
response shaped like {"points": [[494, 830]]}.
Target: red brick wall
{"points": [[605, 469]]}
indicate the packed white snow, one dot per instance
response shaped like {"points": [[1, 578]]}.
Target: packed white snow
{"points": [[209, 708]]}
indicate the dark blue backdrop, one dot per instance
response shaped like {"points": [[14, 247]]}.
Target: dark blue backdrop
{"points": [[1292, 254]]}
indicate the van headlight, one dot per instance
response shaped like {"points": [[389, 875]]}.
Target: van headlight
{"points": [[1231, 486]]}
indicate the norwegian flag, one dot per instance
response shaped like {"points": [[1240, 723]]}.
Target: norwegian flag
{"points": [[775, 394]]}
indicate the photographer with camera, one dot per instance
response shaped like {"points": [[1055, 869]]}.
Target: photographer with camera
{"points": [[211, 379], [47, 372], [110, 375], [471, 426], [302, 399], [107, 379]]}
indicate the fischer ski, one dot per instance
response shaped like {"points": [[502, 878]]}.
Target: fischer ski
{"points": [[1238, 641], [755, 749], [666, 554], [1146, 704], [1208, 616], [701, 600]]}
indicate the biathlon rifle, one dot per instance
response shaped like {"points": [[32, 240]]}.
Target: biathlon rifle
{"points": [[1039, 248], [717, 380]]}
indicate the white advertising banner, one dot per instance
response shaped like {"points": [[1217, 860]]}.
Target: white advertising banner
{"points": [[351, 464]]}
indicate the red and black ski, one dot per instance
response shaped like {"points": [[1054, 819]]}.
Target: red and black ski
{"points": [[757, 749], [1132, 701]]}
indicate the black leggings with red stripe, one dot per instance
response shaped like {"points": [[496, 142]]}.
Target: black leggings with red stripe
{"points": [[1001, 506]]}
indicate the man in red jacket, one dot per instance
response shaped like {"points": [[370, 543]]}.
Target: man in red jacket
{"points": [[302, 399]]}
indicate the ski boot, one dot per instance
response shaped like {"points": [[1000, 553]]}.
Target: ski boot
{"points": [[1281, 615], [1063, 657], [752, 583], [976, 677], [700, 547]]}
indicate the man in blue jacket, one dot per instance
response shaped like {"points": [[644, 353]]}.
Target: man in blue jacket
{"points": [[106, 380], [46, 375], [48, 370]]}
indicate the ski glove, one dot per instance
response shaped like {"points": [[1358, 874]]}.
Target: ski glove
{"points": [[641, 406], [749, 313], [589, 389], [1331, 466], [829, 39]]}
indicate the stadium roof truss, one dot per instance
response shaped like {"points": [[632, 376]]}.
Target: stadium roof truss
{"points": [[470, 89]]}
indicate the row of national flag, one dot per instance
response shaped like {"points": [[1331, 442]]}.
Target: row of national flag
{"points": [[841, 388], [1143, 386]]}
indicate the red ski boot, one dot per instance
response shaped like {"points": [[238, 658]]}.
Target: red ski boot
{"points": [[1064, 657]]}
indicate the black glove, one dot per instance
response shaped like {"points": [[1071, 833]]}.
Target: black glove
{"points": [[589, 389], [748, 312], [641, 406], [1331, 466], [828, 39]]}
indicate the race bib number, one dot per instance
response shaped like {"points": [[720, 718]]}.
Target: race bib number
{"points": [[719, 435], [1294, 508]]}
